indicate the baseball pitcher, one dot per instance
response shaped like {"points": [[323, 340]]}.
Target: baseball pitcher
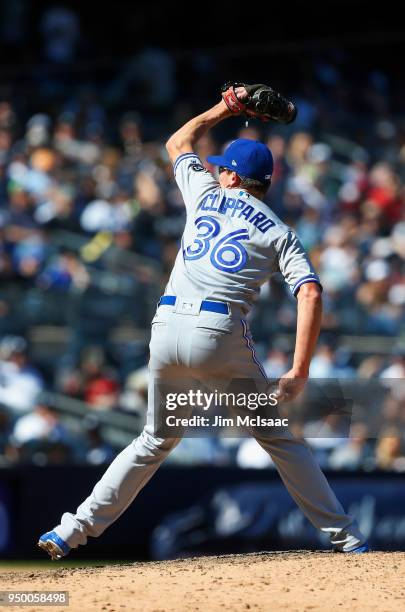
{"points": [[232, 243]]}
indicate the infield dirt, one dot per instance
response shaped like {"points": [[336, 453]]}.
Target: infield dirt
{"points": [[293, 581]]}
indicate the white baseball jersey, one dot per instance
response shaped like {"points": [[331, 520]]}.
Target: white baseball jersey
{"points": [[232, 242]]}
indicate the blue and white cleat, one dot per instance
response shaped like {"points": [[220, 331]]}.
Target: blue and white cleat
{"points": [[349, 540], [51, 543], [360, 549]]}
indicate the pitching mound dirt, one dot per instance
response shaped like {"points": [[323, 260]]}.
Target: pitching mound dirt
{"points": [[320, 581]]}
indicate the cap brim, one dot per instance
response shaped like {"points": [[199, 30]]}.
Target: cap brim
{"points": [[217, 160]]}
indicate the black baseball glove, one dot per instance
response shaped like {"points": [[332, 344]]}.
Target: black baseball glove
{"points": [[259, 101]]}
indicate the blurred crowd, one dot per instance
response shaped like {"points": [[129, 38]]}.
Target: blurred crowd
{"points": [[90, 225]]}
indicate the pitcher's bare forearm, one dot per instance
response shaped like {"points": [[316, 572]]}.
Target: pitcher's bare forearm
{"points": [[308, 326], [184, 140]]}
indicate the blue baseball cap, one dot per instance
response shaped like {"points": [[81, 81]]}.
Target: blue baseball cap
{"points": [[248, 158]]}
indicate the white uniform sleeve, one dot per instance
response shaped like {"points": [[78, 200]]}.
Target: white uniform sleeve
{"points": [[294, 264], [193, 179]]}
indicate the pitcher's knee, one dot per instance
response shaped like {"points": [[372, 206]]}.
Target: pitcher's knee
{"points": [[153, 445]]}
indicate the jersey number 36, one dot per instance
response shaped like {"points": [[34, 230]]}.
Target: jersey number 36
{"points": [[228, 254]]}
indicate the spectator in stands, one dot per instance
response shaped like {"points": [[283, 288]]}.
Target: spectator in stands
{"points": [[20, 382], [100, 387], [356, 453], [276, 362], [40, 437], [330, 363], [60, 30], [396, 367], [97, 450], [198, 451], [326, 434], [107, 215], [102, 394], [135, 394], [5, 431], [64, 272], [389, 452], [42, 423], [251, 455]]}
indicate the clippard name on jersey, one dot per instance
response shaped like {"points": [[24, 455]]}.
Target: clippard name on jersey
{"points": [[236, 207]]}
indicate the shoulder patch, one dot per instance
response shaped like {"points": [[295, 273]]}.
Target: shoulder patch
{"points": [[197, 167]]}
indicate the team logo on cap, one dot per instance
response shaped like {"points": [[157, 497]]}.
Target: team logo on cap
{"points": [[234, 163]]}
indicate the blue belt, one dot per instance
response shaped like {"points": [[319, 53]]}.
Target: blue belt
{"points": [[221, 307]]}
